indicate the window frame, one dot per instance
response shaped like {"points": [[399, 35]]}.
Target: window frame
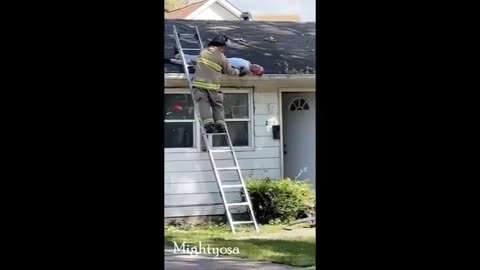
{"points": [[196, 128], [196, 132]]}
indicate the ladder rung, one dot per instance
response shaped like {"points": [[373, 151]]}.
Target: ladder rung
{"points": [[191, 49], [221, 151], [190, 35], [242, 222], [216, 134], [190, 65], [237, 204], [231, 186], [227, 168]]}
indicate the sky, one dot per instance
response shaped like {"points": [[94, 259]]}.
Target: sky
{"points": [[305, 8]]}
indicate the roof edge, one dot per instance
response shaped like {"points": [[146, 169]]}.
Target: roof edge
{"points": [[180, 76], [225, 4], [188, 5], [200, 8], [231, 7]]}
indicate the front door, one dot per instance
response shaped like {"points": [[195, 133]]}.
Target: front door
{"points": [[298, 114]]}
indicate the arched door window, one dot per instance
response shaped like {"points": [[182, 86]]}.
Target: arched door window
{"points": [[299, 104]]}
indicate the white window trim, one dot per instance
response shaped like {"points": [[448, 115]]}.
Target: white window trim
{"points": [[196, 130]]}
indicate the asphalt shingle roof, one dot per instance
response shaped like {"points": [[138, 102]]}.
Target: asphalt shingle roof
{"points": [[293, 50]]}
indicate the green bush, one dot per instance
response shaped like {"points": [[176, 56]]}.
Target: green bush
{"points": [[280, 201]]}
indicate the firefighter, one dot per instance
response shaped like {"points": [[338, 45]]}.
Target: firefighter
{"points": [[211, 63]]}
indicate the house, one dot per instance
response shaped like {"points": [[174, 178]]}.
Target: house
{"points": [[271, 118], [277, 17], [206, 10]]}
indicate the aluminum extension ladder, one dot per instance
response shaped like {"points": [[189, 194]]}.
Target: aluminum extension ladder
{"points": [[207, 136]]}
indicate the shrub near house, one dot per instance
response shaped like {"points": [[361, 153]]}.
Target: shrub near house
{"points": [[280, 201]]}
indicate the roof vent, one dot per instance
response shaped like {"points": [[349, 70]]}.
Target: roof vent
{"points": [[246, 16]]}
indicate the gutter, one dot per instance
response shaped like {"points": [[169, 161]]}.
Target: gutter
{"points": [[265, 77]]}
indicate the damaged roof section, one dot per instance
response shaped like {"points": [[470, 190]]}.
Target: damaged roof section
{"points": [[280, 47]]}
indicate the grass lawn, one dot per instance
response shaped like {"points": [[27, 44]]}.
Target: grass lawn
{"points": [[272, 244]]}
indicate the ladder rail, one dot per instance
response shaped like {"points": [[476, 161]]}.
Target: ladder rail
{"points": [[245, 190], [184, 62], [222, 193], [199, 38], [202, 130], [190, 85], [205, 138]]}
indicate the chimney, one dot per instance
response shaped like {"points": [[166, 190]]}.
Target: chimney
{"points": [[246, 16]]}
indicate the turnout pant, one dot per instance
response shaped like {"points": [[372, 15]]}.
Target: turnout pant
{"points": [[210, 104]]}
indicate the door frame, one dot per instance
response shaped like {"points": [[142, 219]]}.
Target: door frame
{"points": [[282, 126]]}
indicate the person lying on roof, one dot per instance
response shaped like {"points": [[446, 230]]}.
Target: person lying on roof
{"points": [[237, 63]]}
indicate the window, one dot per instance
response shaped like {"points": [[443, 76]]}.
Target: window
{"points": [[237, 116], [299, 104], [181, 128]]}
